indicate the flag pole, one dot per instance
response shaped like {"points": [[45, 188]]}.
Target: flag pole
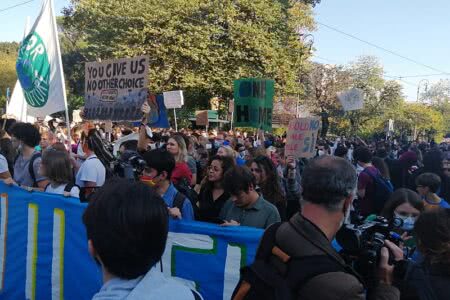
{"points": [[58, 52]]}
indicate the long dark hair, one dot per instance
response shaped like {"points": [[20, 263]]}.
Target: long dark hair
{"points": [[227, 164], [399, 197], [271, 187], [381, 166]]}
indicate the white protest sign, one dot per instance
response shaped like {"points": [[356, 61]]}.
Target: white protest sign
{"points": [[301, 137], [76, 116], [352, 99], [173, 99], [116, 89]]}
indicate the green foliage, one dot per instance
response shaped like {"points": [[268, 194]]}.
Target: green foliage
{"points": [[196, 45], [438, 96], [8, 56]]}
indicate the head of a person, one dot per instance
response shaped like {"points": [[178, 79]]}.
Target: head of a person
{"points": [[329, 183], [381, 152], [177, 147], [241, 183], [381, 166], [24, 135], [432, 230], [427, 183], [159, 166], [127, 227], [432, 161], [404, 204], [56, 166], [445, 165], [341, 151], [47, 139], [130, 145], [225, 151], [218, 166], [264, 171], [363, 155]]}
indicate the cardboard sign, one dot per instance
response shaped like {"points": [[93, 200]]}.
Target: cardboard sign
{"points": [[158, 113], [201, 118], [352, 99], [173, 99], [253, 103], [301, 137], [116, 89]]}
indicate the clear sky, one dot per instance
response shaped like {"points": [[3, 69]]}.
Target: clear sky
{"points": [[417, 29]]}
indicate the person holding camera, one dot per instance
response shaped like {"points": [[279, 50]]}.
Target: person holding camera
{"points": [[299, 253]]}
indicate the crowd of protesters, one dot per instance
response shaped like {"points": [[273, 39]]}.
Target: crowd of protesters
{"points": [[242, 179]]}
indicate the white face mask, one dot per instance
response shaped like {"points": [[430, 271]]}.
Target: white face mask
{"points": [[321, 153], [408, 222]]}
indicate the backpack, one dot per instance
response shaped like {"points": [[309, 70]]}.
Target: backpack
{"points": [[276, 275], [382, 190], [183, 187], [30, 166]]}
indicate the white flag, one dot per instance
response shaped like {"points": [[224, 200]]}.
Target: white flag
{"points": [[17, 106], [39, 66]]}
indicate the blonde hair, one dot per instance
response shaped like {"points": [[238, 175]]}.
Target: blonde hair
{"points": [[182, 151], [230, 152]]}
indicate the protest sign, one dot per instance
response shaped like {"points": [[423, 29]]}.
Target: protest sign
{"points": [[44, 249], [201, 118], [301, 137], [173, 99], [158, 113], [231, 106], [352, 99], [253, 103], [116, 89], [76, 116]]}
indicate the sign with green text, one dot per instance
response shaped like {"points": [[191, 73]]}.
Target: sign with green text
{"points": [[253, 103]]}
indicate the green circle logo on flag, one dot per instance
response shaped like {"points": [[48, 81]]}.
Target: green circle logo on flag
{"points": [[33, 70]]}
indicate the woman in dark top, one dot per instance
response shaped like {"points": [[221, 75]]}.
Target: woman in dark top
{"points": [[212, 196], [269, 184]]}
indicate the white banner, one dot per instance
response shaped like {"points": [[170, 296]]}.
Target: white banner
{"points": [[39, 66]]}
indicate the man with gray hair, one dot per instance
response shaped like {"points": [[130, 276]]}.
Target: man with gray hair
{"points": [[300, 251]]}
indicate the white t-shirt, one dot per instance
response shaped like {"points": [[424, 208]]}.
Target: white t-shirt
{"points": [[74, 192], [3, 164], [91, 170]]}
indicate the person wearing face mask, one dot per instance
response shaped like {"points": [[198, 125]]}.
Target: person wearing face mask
{"points": [[303, 245], [158, 172], [406, 205]]}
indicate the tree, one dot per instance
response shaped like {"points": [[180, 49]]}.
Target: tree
{"points": [[322, 85], [198, 46], [438, 96], [8, 56]]}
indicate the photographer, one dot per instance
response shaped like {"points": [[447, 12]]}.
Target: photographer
{"points": [[300, 251]]}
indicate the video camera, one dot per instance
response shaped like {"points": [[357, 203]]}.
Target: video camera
{"points": [[361, 244], [130, 165]]}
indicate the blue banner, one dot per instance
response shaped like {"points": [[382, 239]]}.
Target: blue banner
{"points": [[44, 255]]}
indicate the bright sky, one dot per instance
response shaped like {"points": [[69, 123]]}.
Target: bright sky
{"points": [[416, 29]]}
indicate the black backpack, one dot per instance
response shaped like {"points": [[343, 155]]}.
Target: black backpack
{"points": [[275, 275], [30, 166], [184, 188], [382, 190]]}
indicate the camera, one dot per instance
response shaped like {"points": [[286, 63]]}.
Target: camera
{"points": [[130, 165], [361, 244]]}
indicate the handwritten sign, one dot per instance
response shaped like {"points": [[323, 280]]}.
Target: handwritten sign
{"points": [[352, 99], [201, 118], [173, 99], [301, 137], [116, 89]]}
